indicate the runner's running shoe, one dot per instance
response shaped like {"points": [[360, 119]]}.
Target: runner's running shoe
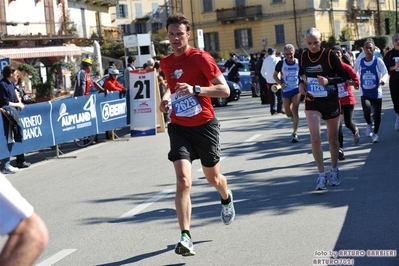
{"points": [[341, 155], [356, 137], [185, 246], [228, 212], [334, 179], [294, 137], [375, 138], [369, 131], [321, 182]]}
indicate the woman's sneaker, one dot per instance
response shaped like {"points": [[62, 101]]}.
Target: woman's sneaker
{"points": [[321, 182], [369, 131], [185, 246], [341, 155], [375, 138], [334, 178], [356, 137]]}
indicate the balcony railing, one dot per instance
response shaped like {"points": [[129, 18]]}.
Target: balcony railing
{"points": [[238, 13], [106, 32], [98, 2]]}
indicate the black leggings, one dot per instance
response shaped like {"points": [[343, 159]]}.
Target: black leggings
{"points": [[347, 112], [366, 105], [394, 96]]}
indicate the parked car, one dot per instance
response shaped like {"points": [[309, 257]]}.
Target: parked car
{"points": [[235, 90], [245, 75]]}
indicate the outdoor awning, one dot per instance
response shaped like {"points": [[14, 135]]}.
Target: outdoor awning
{"points": [[38, 52]]}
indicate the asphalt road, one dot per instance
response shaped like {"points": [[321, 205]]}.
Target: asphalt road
{"points": [[114, 203]]}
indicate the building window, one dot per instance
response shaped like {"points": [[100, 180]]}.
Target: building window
{"points": [[125, 28], [121, 11], [141, 28], [211, 41], [243, 38], [277, 1], [155, 27], [280, 39], [139, 10], [155, 11], [207, 5]]}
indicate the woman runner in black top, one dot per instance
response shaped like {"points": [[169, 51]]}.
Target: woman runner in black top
{"points": [[323, 70]]}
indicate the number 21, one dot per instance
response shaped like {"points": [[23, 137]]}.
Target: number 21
{"points": [[139, 84]]}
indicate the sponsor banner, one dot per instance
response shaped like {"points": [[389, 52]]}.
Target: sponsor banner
{"points": [[112, 111], [142, 103], [74, 117], [36, 128], [55, 122]]}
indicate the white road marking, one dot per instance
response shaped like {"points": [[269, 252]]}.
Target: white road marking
{"points": [[253, 138], [146, 204], [278, 123], [56, 258]]}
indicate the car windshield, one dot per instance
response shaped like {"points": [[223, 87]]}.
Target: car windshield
{"points": [[245, 68], [241, 69]]}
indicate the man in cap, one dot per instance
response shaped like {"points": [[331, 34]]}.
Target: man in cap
{"points": [[232, 65]]}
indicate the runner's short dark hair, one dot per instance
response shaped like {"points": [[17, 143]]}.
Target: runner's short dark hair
{"points": [[178, 18]]}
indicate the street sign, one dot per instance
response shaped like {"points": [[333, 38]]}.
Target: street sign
{"points": [[4, 62], [200, 36], [264, 42]]}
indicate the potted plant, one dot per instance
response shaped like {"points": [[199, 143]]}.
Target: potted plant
{"points": [[44, 92]]}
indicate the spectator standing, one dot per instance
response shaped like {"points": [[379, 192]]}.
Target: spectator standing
{"points": [[286, 74], [391, 60], [347, 101], [193, 77], [112, 84], [27, 233], [267, 71], [323, 71], [150, 63], [232, 65], [83, 81], [373, 75], [21, 93], [111, 64], [9, 97], [131, 65], [264, 90], [252, 69]]}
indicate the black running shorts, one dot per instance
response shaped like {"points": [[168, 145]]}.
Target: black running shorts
{"points": [[199, 142], [329, 107]]}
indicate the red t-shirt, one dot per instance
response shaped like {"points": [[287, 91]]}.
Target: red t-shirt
{"points": [[195, 67], [350, 99]]}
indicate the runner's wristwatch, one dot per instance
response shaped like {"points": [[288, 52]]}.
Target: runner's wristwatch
{"points": [[197, 89]]}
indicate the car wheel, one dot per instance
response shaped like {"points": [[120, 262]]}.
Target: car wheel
{"points": [[219, 102]]}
